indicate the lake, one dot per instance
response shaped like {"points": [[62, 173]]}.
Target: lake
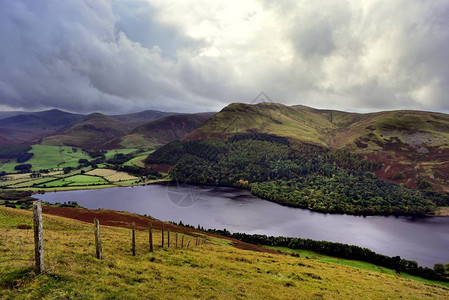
{"points": [[425, 240]]}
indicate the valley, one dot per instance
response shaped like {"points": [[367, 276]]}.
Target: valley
{"points": [[224, 149], [375, 178]]}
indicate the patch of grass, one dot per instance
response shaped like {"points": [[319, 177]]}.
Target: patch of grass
{"points": [[17, 277], [111, 153], [442, 211], [420, 279], [352, 263], [75, 180], [47, 157], [137, 161], [112, 175], [27, 183], [135, 140]]}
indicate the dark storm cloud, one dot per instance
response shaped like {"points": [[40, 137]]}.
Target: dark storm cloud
{"points": [[116, 56]]}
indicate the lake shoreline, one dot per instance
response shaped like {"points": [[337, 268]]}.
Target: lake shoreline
{"points": [[174, 183]]}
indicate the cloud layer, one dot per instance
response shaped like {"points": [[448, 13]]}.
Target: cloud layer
{"points": [[120, 56]]}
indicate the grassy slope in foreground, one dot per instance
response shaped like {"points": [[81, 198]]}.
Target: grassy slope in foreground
{"points": [[214, 270], [354, 263]]}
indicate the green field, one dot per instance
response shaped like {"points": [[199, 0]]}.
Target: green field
{"points": [[352, 263], [111, 153], [134, 161], [135, 140], [29, 182], [75, 180], [49, 157]]}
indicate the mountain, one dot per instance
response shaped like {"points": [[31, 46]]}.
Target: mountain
{"points": [[412, 145], [159, 132], [89, 132], [45, 120], [27, 128], [8, 114], [139, 118], [272, 118]]}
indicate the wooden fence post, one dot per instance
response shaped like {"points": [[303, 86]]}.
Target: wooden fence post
{"points": [[182, 241], [168, 238], [188, 242], [162, 235], [98, 249], [38, 237], [176, 240], [150, 237], [133, 246]]}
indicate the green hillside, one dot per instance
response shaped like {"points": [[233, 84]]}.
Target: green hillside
{"points": [[216, 270], [271, 118], [49, 157]]}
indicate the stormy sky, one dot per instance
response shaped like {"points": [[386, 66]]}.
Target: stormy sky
{"points": [[199, 55]]}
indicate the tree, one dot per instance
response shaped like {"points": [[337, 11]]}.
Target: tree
{"points": [[439, 269], [423, 184], [23, 168]]}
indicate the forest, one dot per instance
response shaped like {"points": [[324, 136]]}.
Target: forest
{"points": [[294, 174]]}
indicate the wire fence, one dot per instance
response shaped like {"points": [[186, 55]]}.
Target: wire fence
{"points": [[34, 247]]}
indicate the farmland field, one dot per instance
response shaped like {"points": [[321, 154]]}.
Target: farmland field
{"points": [[138, 160], [29, 182], [111, 153], [112, 175], [76, 180], [49, 157]]}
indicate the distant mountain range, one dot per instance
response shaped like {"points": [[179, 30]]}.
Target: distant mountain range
{"points": [[56, 127], [160, 131], [410, 144]]}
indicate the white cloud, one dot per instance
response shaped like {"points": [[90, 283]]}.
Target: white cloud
{"points": [[201, 55]]}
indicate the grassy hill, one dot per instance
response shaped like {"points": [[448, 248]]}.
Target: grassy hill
{"points": [[48, 157], [160, 132], [412, 145], [271, 118], [89, 132], [214, 270]]}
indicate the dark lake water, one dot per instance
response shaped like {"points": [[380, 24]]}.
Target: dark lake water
{"points": [[425, 240]]}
